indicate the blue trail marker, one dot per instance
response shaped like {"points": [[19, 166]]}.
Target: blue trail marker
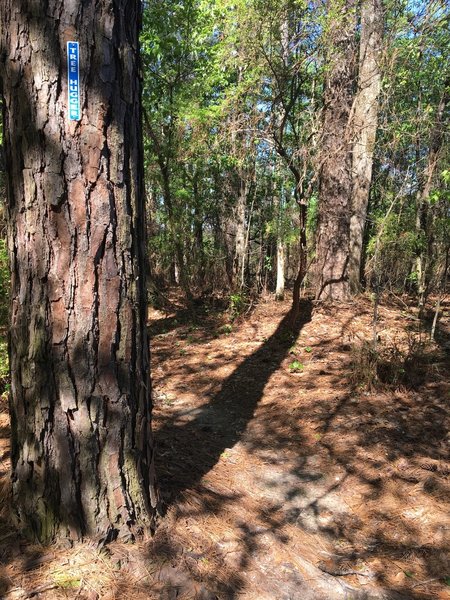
{"points": [[73, 80]]}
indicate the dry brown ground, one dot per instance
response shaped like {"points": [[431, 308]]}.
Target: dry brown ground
{"points": [[277, 484]]}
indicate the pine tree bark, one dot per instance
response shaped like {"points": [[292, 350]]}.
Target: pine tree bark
{"points": [[365, 122], [335, 182], [81, 446]]}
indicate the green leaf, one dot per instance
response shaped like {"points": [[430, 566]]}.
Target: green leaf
{"points": [[296, 366]]}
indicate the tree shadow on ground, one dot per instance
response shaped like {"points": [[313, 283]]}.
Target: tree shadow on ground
{"points": [[386, 445], [191, 445], [204, 319]]}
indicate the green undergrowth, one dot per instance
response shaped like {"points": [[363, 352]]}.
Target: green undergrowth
{"points": [[4, 365]]}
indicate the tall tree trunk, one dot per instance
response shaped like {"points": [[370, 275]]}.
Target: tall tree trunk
{"points": [[365, 121], [198, 235], [81, 447], [240, 229], [179, 274], [303, 256], [180, 270], [225, 226], [335, 185], [279, 292], [222, 269], [280, 282]]}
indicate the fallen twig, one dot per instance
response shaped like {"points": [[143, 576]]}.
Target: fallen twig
{"points": [[42, 588]]}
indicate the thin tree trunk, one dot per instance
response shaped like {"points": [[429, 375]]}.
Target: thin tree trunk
{"points": [[365, 122], [181, 276], [335, 185], [280, 282], [260, 267], [240, 229], [198, 236], [245, 275], [81, 447], [302, 269], [227, 234], [279, 293]]}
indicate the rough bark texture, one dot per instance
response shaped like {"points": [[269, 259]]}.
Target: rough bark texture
{"points": [[82, 455], [335, 185], [365, 121]]}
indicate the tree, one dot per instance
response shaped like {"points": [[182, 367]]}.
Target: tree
{"points": [[365, 121], [332, 246], [408, 222], [288, 45], [81, 446], [260, 143], [424, 213], [178, 55]]}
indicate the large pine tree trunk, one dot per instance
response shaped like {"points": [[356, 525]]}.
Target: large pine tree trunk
{"points": [[365, 123], [81, 448], [335, 185]]}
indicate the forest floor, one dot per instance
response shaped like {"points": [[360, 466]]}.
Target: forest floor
{"points": [[292, 464]]}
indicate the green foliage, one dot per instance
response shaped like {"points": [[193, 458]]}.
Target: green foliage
{"points": [[211, 98], [233, 94], [238, 302], [66, 581], [392, 249], [311, 224], [4, 364], [296, 367]]}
